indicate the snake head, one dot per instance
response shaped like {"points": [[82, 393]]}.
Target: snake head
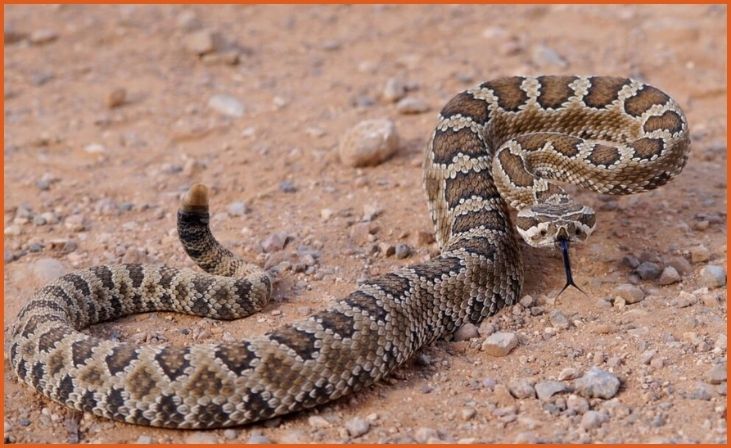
{"points": [[546, 224]]}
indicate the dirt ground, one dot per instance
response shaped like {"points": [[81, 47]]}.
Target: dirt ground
{"points": [[93, 175]]}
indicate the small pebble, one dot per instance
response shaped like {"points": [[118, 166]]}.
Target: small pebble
{"points": [[669, 276], [317, 422], [468, 413], [402, 251], [630, 293], [95, 148], [500, 343], [547, 389], [716, 374], [202, 42], [144, 439], [287, 186], [369, 143], [558, 320], [237, 208], [685, 299], [521, 388], [230, 434], [593, 419], [394, 90], [680, 264], [576, 404], [200, 437], [701, 391], [569, 373], [357, 427], [465, 332], [411, 105], [259, 439], [527, 301], [275, 242], [423, 434], [42, 37], [116, 98], [699, 254], [713, 276], [646, 356], [597, 383], [226, 105], [648, 270]]}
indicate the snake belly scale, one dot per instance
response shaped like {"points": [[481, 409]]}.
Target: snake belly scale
{"points": [[507, 142]]}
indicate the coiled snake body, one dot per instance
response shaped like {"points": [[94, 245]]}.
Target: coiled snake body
{"points": [[507, 141]]}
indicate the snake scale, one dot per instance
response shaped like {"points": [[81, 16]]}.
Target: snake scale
{"points": [[506, 142]]}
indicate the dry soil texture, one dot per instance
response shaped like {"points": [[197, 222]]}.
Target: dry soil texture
{"points": [[93, 175]]}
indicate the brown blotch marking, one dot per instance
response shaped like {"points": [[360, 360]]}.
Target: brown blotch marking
{"points": [[302, 342], [392, 284], [669, 121], [120, 358], [449, 143], [509, 94], [173, 361], [237, 356], [204, 382], [367, 303], [48, 340], [466, 105], [141, 383], [337, 322], [437, 269], [604, 155], [55, 362], [555, 91], [646, 148], [211, 415], [643, 100], [104, 274], [488, 219], [79, 283], [92, 376], [168, 406], [603, 91], [534, 141], [465, 185], [515, 169], [82, 351], [566, 145]]}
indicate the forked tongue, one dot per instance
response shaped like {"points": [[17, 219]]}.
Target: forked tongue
{"points": [[564, 244]]}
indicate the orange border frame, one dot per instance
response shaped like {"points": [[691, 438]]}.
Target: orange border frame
{"points": [[2, 122]]}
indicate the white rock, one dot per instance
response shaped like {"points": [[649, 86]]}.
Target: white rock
{"points": [[202, 42], [95, 148], [500, 343], [317, 422], [226, 105], [630, 293], [547, 389], [593, 419], [369, 143], [394, 90], [357, 427], [597, 383], [237, 208], [411, 105]]}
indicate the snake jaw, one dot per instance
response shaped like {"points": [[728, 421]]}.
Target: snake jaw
{"points": [[563, 244]]}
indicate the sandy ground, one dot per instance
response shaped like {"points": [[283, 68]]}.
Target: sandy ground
{"points": [[91, 179]]}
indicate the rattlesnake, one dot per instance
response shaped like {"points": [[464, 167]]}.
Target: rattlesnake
{"points": [[503, 142]]}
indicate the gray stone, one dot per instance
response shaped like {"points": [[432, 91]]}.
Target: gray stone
{"points": [[648, 270], [500, 343], [558, 320], [258, 438], [576, 404], [226, 105], [669, 276], [402, 251], [713, 276], [275, 242], [527, 301], [230, 434], [597, 383], [465, 332], [143, 439], [547, 389], [424, 435], [593, 419], [357, 427], [45, 270], [410, 105], [287, 186], [394, 90], [369, 143], [716, 374], [680, 264], [630, 293], [521, 388], [75, 223], [701, 391]]}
